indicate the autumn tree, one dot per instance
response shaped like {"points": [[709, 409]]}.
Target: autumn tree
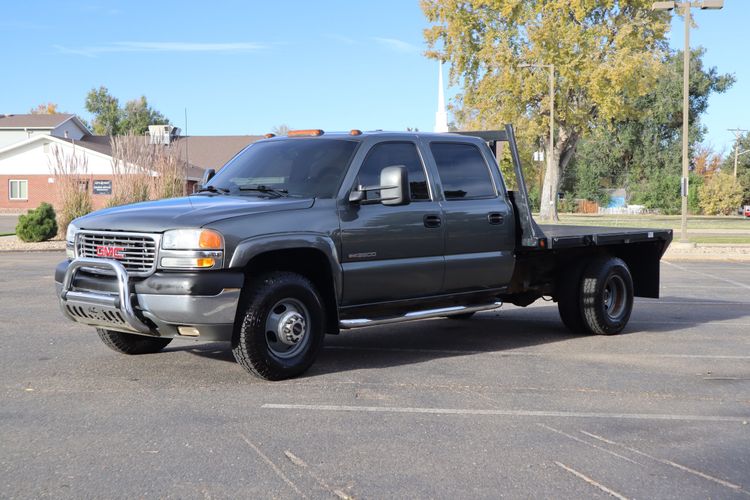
{"points": [[606, 53], [49, 108], [721, 195]]}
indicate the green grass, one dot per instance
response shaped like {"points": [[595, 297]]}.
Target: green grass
{"points": [[695, 223], [727, 240]]}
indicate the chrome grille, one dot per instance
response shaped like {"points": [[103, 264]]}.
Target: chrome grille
{"points": [[138, 254]]}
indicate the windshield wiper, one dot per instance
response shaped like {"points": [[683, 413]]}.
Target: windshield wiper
{"points": [[213, 189], [266, 190]]}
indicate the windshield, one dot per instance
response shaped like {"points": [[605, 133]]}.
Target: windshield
{"points": [[294, 167]]}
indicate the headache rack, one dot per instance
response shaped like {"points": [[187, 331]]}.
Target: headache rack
{"points": [[531, 235]]}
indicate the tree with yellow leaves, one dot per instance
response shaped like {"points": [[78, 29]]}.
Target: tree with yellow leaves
{"points": [[606, 53]]}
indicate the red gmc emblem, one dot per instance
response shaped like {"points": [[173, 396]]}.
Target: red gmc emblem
{"points": [[110, 252]]}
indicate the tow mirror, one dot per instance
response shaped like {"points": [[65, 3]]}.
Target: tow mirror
{"points": [[394, 182], [394, 188], [207, 176]]}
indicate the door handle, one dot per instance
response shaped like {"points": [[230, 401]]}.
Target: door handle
{"points": [[495, 218], [432, 221]]}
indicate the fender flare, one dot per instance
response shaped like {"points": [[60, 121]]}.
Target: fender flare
{"points": [[249, 248]]}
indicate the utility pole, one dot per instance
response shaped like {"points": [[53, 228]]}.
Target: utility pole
{"points": [[685, 7], [737, 133]]}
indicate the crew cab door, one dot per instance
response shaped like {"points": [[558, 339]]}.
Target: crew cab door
{"points": [[391, 252], [478, 219]]}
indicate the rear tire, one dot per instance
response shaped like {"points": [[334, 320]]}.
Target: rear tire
{"points": [[569, 299], [129, 343], [606, 296], [280, 326]]}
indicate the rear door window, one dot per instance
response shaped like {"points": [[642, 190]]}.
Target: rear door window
{"points": [[463, 172]]}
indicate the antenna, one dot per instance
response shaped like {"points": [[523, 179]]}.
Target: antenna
{"points": [[187, 157]]}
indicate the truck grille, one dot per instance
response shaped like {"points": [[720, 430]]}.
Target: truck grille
{"points": [[136, 252]]}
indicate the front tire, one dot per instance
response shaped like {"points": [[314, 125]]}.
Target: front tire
{"points": [[129, 343], [280, 327]]}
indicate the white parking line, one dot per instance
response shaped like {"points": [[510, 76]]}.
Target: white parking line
{"points": [[274, 467], [703, 475], [466, 352], [581, 475], [579, 440], [508, 413], [712, 276]]}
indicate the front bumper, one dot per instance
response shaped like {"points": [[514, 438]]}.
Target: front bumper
{"points": [[99, 292]]}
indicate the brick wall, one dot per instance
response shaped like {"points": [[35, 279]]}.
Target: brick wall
{"points": [[40, 189]]}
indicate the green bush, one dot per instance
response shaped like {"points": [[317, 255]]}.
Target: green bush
{"points": [[38, 224]]}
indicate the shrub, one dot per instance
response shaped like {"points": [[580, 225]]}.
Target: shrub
{"points": [[38, 224], [721, 195], [71, 179]]}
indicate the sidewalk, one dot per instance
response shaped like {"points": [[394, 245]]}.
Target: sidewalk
{"points": [[708, 251]]}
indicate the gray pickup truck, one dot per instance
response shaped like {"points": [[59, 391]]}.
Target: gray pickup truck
{"points": [[305, 235]]}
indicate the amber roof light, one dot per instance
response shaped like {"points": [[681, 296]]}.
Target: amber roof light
{"points": [[308, 132], [355, 131], [268, 136]]}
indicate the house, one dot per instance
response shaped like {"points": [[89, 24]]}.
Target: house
{"points": [[28, 144]]}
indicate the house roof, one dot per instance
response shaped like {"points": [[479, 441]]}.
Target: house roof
{"points": [[212, 151], [208, 151], [34, 121]]}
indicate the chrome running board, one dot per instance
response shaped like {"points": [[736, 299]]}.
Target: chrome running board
{"points": [[415, 315]]}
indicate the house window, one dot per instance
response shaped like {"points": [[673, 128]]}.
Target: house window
{"points": [[83, 186], [18, 189]]}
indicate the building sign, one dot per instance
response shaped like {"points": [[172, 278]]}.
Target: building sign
{"points": [[102, 186]]}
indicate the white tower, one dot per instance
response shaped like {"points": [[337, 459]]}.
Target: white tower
{"points": [[441, 117]]}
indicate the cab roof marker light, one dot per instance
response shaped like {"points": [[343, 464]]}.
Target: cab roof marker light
{"points": [[268, 136], [355, 131], [306, 132]]}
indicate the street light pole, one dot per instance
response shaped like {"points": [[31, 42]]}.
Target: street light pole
{"points": [[737, 132], [685, 127], [686, 6]]}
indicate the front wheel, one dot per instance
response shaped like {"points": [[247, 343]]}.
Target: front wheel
{"points": [[280, 326], [129, 343]]}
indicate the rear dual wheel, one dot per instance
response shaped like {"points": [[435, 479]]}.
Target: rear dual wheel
{"points": [[597, 298]]}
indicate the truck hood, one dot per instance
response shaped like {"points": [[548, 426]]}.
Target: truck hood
{"points": [[191, 211]]}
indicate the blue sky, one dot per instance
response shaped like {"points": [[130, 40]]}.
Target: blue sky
{"points": [[242, 67]]}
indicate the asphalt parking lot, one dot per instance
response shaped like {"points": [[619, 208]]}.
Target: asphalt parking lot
{"points": [[506, 404]]}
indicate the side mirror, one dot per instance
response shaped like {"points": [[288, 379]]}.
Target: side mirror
{"points": [[395, 185], [207, 175], [394, 188]]}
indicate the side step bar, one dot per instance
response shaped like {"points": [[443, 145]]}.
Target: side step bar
{"points": [[346, 324]]}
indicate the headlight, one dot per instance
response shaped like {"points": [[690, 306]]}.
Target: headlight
{"points": [[70, 241], [192, 249], [192, 239]]}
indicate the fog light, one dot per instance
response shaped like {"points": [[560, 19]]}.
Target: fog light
{"points": [[188, 331]]}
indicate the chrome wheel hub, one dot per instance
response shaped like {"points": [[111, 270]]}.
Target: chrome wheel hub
{"points": [[291, 327], [287, 328]]}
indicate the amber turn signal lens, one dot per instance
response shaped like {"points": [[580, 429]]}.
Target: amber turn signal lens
{"points": [[209, 240], [355, 131], [298, 133], [205, 262]]}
